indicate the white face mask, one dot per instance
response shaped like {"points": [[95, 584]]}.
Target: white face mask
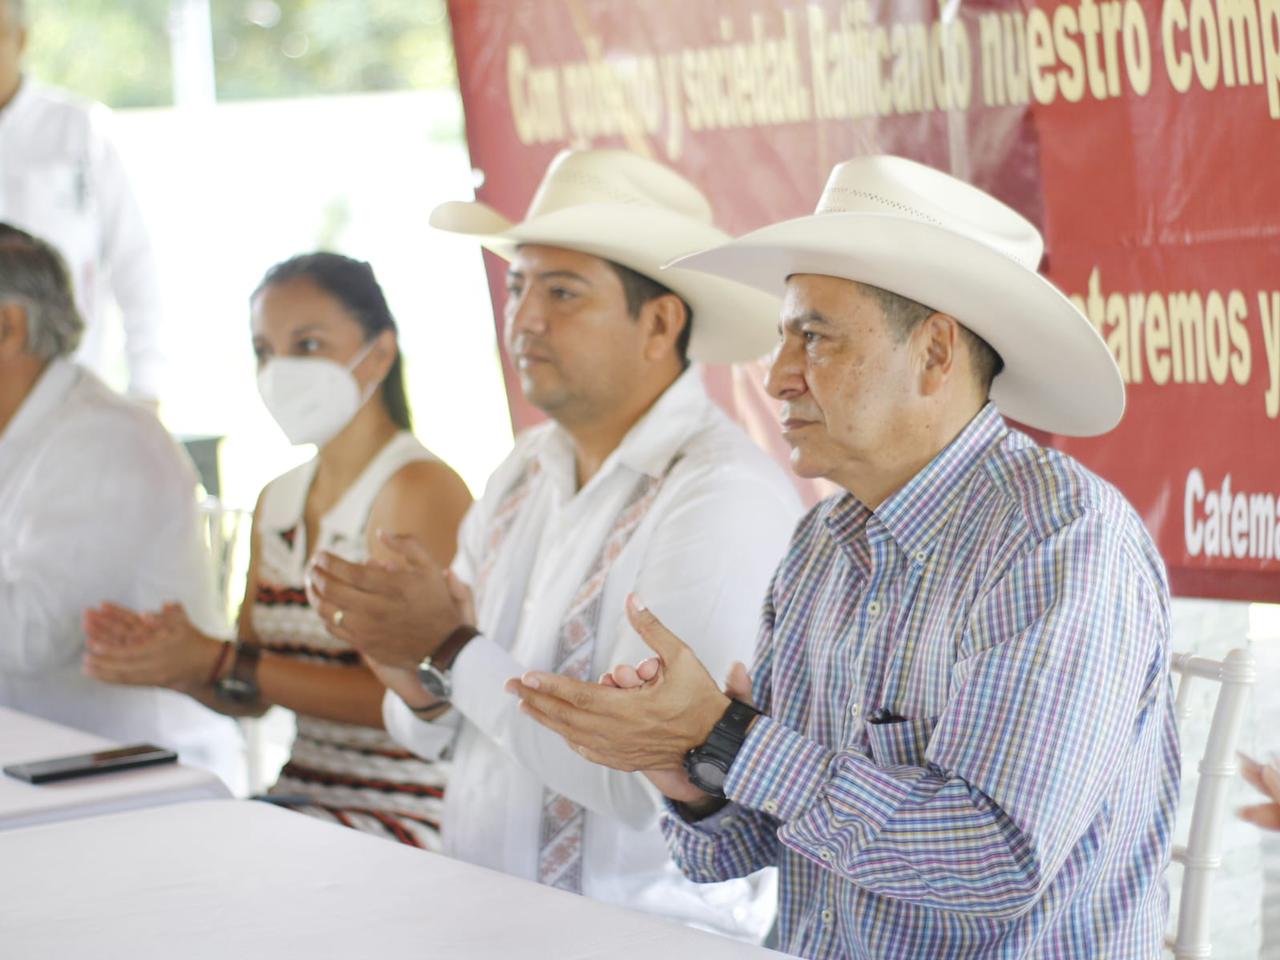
{"points": [[312, 398]]}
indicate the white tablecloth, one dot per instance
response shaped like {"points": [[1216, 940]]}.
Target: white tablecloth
{"points": [[24, 738], [242, 879]]}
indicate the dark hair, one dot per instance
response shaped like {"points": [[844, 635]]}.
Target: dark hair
{"points": [[351, 283], [904, 315], [640, 289]]}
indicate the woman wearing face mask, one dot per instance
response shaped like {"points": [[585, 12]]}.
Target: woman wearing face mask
{"points": [[329, 371]]}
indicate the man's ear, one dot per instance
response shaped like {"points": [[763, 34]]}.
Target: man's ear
{"points": [[13, 330], [936, 341], [665, 317]]}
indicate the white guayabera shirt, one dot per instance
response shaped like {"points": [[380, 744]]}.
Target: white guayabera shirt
{"points": [[62, 180], [701, 559], [98, 504]]}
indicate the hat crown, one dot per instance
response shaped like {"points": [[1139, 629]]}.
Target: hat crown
{"points": [[898, 187], [579, 177]]}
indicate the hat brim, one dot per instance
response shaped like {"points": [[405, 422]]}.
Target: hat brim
{"points": [[732, 321], [1058, 374]]}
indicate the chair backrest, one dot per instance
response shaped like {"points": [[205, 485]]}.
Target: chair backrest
{"points": [[223, 528], [1202, 854]]}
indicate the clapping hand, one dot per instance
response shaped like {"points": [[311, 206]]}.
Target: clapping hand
{"points": [[1266, 779], [160, 649], [675, 784], [396, 612], [637, 718]]}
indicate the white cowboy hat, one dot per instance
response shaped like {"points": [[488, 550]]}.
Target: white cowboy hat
{"points": [[920, 233], [622, 207]]}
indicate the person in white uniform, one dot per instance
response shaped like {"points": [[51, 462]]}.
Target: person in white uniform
{"points": [[62, 179], [638, 482], [96, 504]]}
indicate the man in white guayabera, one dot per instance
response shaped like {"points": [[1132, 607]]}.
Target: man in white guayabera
{"points": [[97, 505], [639, 479]]}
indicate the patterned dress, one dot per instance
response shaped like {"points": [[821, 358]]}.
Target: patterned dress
{"points": [[345, 773]]}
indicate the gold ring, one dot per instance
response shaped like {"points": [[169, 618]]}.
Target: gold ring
{"points": [[338, 616]]}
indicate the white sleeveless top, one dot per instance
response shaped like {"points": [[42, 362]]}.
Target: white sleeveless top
{"points": [[355, 775]]}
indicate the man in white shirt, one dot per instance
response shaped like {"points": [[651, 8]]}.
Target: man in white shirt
{"points": [[62, 179], [639, 482], [96, 505]]}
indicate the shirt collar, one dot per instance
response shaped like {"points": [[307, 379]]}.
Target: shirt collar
{"points": [[19, 100], [654, 439], [915, 514], [48, 394], [846, 518]]}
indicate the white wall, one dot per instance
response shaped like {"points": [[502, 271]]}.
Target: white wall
{"points": [[232, 189]]}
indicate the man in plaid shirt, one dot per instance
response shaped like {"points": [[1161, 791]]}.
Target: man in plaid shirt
{"points": [[960, 739]]}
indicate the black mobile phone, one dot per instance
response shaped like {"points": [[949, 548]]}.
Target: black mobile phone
{"points": [[91, 764]]}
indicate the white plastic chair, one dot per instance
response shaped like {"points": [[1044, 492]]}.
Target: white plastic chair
{"points": [[1202, 855], [222, 528]]}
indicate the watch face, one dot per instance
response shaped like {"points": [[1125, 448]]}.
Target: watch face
{"points": [[435, 682], [234, 689], [707, 775]]}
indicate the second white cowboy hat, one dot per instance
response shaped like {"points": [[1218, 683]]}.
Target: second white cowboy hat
{"points": [[623, 207], [920, 233]]}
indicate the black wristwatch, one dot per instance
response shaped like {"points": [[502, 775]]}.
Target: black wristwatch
{"points": [[433, 671], [241, 684], [708, 765]]}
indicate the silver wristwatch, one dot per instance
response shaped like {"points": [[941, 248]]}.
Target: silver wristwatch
{"points": [[433, 671]]}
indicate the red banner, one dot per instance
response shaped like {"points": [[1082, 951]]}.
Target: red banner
{"points": [[1144, 138]]}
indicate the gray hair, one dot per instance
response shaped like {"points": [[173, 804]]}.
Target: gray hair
{"points": [[904, 314], [34, 276]]}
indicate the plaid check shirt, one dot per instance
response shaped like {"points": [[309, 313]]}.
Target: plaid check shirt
{"points": [[969, 745]]}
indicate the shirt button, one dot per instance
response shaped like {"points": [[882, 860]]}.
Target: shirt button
{"points": [[771, 806], [730, 821], [856, 710], [873, 608], [825, 855], [921, 557], [828, 915]]}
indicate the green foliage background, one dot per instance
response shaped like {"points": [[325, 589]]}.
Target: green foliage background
{"points": [[118, 51]]}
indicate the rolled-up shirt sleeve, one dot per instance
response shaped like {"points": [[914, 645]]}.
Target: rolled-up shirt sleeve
{"points": [[733, 842], [736, 840]]}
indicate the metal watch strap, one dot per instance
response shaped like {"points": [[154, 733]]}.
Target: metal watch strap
{"points": [[448, 651]]}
